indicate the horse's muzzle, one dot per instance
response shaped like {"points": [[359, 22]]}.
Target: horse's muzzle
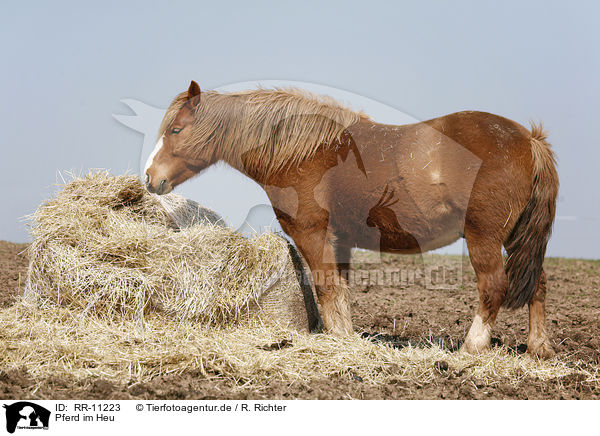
{"points": [[163, 186]]}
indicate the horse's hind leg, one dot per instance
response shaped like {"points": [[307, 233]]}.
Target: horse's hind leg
{"points": [[537, 343], [492, 283]]}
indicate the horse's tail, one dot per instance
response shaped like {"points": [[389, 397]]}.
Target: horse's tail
{"points": [[526, 244]]}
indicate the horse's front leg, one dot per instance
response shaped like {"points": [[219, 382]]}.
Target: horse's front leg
{"points": [[332, 289]]}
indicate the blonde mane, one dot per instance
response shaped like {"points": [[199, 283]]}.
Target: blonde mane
{"points": [[263, 129]]}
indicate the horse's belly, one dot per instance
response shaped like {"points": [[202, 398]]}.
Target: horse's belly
{"points": [[405, 242], [444, 237]]}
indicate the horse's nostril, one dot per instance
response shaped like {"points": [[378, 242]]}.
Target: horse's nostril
{"points": [[161, 187], [147, 179]]}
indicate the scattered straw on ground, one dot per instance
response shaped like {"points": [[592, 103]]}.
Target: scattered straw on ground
{"points": [[52, 341]]}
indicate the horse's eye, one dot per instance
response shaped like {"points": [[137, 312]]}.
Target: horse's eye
{"points": [[176, 130]]}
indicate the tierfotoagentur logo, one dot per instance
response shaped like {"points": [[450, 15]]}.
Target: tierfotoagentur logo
{"points": [[27, 416]]}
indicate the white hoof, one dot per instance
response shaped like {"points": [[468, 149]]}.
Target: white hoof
{"points": [[479, 337]]}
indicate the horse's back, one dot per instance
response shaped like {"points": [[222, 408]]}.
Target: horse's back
{"points": [[484, 134]]}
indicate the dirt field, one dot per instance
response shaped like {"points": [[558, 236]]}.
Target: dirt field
{"points": [[401, 314]]}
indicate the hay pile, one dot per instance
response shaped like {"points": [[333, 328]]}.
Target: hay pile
{"points": [[106, 246]]}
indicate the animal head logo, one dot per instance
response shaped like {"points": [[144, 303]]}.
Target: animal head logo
{"points": [[382, 210], [26, 415]]}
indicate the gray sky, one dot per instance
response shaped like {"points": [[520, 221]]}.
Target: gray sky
{"points": [[65, 68]]}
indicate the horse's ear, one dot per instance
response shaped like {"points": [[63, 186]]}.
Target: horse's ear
{"points": [[193, 90], [194, 93]]}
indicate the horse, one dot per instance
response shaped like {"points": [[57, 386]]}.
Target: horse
{"points": [[337, 180]]}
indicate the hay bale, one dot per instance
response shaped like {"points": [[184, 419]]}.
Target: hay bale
{"points": [[106, 246]]}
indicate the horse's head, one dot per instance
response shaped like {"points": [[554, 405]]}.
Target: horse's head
{"points": [[176, 157]]}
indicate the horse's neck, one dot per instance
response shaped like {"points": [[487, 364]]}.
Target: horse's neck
{"points": [[255, 174], [239, 163]]}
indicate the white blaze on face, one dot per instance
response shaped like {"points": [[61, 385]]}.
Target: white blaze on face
{"points": [[157, 148]]}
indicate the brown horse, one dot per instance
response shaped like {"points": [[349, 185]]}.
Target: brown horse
{"points": [[337, 180]]}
